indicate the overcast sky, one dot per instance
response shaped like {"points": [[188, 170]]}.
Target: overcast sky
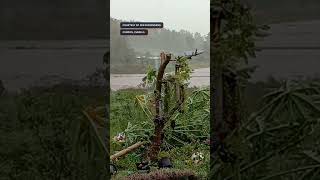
{"points": [[191, 15]]}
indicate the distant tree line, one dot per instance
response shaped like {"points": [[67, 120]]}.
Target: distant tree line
{"points": [[125, 49], [169, 40]]}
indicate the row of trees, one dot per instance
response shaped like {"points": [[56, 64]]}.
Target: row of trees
{"points": [[121, 51], [125, 48], [169, 40], [161, 39]]}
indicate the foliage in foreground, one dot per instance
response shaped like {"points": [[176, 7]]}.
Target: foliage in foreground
{"points": [[37, 129], [188, 136], [280, 140]]}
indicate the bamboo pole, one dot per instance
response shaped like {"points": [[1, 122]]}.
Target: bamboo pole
{"points": [[127, 150]]}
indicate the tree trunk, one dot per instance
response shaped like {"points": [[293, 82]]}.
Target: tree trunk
{"points": [[217, 86], [218, 121], [159, 120]]}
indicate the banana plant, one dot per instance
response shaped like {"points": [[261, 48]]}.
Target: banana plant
{"points": [[233, 33], [90, 142]]}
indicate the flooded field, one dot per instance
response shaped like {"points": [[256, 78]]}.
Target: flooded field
{"points": [[292, 49], [199, 78], [26, 63]]}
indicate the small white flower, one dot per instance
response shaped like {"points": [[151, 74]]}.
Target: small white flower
{"points": [[121, 137], [197, 157]]}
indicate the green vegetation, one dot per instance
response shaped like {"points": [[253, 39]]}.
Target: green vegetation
{"points": [[265, 130], [39, 134], [279, 137], [172, 119], [192, 129], [271, 128]]}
